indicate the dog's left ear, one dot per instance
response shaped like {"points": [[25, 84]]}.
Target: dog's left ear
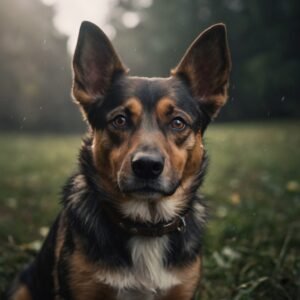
{"points": [[206, 66], [95, 64]]}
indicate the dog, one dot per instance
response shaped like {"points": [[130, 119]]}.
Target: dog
{"points": [[132, 222]]}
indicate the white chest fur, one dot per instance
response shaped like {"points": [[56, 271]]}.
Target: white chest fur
{"points": [[135, 295], [147, 276]]}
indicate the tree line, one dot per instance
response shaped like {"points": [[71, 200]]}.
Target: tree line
{"points": [[151, 36], [263, 37], [35, 70]]}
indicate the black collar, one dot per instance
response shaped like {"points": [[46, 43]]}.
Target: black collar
{"points": [[146, 229]]}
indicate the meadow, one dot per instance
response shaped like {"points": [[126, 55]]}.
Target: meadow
{"points": [[252, 240]]}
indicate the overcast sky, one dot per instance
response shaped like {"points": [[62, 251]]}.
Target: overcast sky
{"points": [[70, 14]]}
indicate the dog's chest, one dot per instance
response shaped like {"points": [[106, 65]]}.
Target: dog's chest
{"points": [[136, 295], [147, 277]]}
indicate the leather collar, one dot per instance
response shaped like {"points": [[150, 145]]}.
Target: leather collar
{"points": [[178, 224]]}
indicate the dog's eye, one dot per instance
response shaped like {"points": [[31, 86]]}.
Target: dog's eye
{"points": [[178, 124], [119, 121]]}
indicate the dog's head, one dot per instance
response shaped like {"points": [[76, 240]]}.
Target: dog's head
{"points": [[147, 132]]}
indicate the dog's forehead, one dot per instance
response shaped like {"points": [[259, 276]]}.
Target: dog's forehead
{"points": [[150, 91]]}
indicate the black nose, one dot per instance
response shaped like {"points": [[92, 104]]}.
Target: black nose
{"points": [[147, 166]]}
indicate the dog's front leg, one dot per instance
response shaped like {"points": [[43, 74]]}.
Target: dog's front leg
{"points": [[190, 277]]}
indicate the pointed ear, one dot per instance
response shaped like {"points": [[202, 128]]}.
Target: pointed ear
{"points": [[206, 66], [95, 63]]}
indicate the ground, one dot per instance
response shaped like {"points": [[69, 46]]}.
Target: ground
{"points": [[252, 243]]}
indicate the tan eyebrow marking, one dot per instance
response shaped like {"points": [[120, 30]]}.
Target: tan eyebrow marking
{"points": [[166, 107], [135, 108]]}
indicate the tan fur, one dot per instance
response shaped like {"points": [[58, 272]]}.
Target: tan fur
{"points": [[22, 293], [217, 101], [101, 144], [190, 277], [166, 108], [136, 109], [81, 96], [195, 158], [60, 238], [84, 282]]}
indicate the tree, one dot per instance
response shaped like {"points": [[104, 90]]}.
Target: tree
{"points": [[34, 69]]}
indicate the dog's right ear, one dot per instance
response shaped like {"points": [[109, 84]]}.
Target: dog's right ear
{"points": [[95, 63], [206, 67]]}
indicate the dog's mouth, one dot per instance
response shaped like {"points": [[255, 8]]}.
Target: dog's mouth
{"points": [[148, 189]]}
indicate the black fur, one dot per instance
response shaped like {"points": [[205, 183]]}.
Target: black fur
{"points": [[38, 275], [63, 269]]}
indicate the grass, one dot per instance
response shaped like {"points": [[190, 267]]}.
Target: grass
{"points": [[252, 243]]}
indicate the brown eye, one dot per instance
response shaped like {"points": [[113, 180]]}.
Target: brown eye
{"points": [[119, 122], [178, 124]]}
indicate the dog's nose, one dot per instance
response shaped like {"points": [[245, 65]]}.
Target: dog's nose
{"points": [[147, 166]]}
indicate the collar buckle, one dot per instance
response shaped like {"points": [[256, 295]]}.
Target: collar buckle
{"points": [[182, 224]]}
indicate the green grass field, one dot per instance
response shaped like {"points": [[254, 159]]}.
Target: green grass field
{"points": [[252, 243]]}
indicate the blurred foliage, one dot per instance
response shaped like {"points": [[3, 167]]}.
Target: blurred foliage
{"points": [[152, 36], [35, 73], [252, 189]]}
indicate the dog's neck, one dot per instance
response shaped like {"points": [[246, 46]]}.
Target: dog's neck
{"points": [[146, 228]]}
